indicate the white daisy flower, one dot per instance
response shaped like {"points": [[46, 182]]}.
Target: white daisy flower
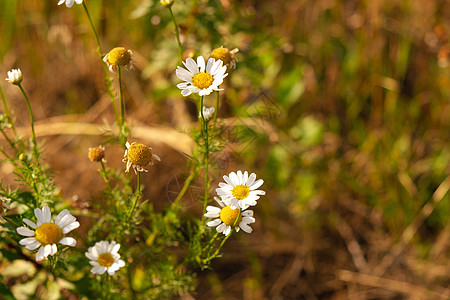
{"points": [[139, 156], [208, 113], [199, 78], [225, 217], [14, 76], [47, 234], [104, 257], [69, 3], [240, 190]]}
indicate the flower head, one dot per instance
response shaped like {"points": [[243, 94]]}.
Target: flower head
{"points": [[208, 113], [199, 78], [166, 3], [14, 76], [119, 57], [104, 257], [3, 205], [69, 3], [225, 55], [97, 154], [225, 218], [240, 189], [139, 156], [46, 234]]}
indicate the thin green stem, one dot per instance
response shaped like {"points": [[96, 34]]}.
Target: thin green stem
{"points": [[177, 33], [185, 187], [99, 47], [8, 140], [217, 109], [206, 157], [228, 236], [212, 241], [122, 106], [105, 174], [7, 115], [137, 194], [33, 134], [105, 70]]}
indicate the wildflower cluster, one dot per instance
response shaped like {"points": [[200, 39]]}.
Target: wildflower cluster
{"points": [[120, 218]]}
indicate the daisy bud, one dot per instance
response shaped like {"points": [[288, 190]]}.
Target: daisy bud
{"points": [[166, 3], [15, 76]]}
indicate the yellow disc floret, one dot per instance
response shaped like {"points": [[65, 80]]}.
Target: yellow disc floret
{"points": [[139, 154], [105, 259], [241, 191], [48, 233], [202, 80], [119, 57], [228, 215], [223, 54]]}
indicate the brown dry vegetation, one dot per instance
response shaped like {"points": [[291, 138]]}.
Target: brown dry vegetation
{"points": [[355, 161]]}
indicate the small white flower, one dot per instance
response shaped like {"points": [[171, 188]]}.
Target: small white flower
{"points": [[69, 3], [138, 156], [225, 217], [14, 76], [240, 190], [104, 257], [47, 234], [199, 78], [208, 113]]}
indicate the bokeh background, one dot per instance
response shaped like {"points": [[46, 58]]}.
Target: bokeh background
{"points": [[342, 107]]}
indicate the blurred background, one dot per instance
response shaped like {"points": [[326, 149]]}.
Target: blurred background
{"points": [[342, 107]]}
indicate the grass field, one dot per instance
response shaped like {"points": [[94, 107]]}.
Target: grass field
{"points": [[342, 107]]}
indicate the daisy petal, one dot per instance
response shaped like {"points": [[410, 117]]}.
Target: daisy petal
{"points": [[71, 227], [201, 63], [25, 231], [68, 241], [29, 223]]}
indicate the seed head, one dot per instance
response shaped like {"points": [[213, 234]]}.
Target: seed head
{"points": [[225, 55], [97, 154], [119, 57]]}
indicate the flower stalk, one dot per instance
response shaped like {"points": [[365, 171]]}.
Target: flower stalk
{"points": [[177, 33]]}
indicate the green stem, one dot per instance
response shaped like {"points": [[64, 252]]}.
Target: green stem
{"points": [[33, 134], [185, 187], [105, 174], [105, 70], [9, 140], [177, 33], [7, 115], [122, 106], [138, 194], [206, 158], [99, 47], [217, 109], [228, 236]]}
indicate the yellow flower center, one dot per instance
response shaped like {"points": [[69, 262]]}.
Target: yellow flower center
{"points": [[105, 259], [228, 215], [119, 57], [139, 154], [202, 80], [48, 233], [223, 54], [241, 191]]}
